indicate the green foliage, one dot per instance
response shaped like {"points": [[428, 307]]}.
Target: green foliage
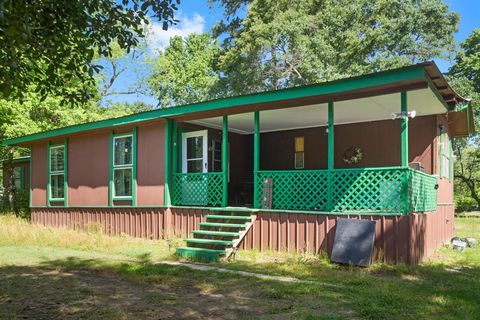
{"points": [[464, 76], [52, 42], [467, 177], [120, 109], [284, 43], [184, 73], [467, 62], [21, 206]]}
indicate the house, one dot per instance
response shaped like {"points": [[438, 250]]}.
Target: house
{"points": [[271, 170]]}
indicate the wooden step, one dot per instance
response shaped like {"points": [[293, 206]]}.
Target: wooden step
{"points": [[200, 254], [215, 233], [241, 218], [222, 225], [209, 241]]}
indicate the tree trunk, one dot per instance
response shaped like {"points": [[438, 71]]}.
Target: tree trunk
{"points": [[10, 187]]}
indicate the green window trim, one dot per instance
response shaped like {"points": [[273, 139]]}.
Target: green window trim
{"points": [[50, 173], [30, 178], [112, 197], [450, 171], [446, 170]]}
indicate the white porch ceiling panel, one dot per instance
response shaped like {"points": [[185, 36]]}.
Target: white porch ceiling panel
{"points": [[423, 101]]}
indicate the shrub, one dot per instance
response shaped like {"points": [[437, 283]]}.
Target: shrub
{"points": [[20, 204]]}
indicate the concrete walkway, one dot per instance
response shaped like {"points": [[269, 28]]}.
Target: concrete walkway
{"points": [[205, 267]]}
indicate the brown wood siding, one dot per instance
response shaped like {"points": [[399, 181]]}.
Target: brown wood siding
{"points": [[88, 169], [150, 165], [39, 175], [277, 149], [409, 239], [379, 140]]}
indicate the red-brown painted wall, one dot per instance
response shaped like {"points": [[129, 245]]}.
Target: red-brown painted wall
{"points": [[39, 175], [88, 169], [409, 239], [89, 165], [150, 164]]}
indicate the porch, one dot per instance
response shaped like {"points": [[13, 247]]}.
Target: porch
{"points": [[254, 159]]}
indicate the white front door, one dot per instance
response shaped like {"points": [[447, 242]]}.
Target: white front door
{"points": [[195, 160], [195, 153]]}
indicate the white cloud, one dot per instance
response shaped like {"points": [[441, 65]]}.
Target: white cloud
{"points": [[158, 38]]}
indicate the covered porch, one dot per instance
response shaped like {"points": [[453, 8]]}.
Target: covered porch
{"points": [[351, 155]]}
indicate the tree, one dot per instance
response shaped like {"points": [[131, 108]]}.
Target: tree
{"points": [[120, 109], [118, 64], [467, 62], [467, 177], [33, 115], [281, 43], [185, 72], [464, 76], [50, 42]]}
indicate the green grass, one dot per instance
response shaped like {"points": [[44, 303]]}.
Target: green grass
{"points": [[58, 273]]}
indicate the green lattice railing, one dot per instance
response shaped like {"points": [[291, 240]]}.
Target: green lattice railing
{"points": [[200, 189], [422, 194], [348, 190]]}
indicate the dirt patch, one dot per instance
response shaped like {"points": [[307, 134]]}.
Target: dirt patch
{"points": [[54, 293]]}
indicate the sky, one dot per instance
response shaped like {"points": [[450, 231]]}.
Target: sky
{"points": [[197, 16]]}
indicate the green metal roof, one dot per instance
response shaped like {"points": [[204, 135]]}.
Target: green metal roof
{"points": [[348, 84]]}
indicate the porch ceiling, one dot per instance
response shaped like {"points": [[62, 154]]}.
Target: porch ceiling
{"points": [[423, 101]]}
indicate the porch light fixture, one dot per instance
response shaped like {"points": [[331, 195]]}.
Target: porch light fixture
{"points": [[402, 115]]}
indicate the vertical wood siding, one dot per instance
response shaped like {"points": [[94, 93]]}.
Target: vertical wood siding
{"points": [[408, 239]]}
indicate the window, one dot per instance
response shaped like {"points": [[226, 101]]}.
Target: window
{"points": [[57, 172], [299, 153], [19, 177], [445, 155], [123, 166]]}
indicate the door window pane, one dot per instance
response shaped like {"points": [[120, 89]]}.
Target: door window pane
{"points": [[57, 186], [217, 156], [56, 159], [122, 182], [195, 147], [194, 166], [123, 151]]}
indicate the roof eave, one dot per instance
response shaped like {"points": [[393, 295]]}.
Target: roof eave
{"points": [[235, 104]]}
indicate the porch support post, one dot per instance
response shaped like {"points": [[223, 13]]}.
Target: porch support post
{"points": [[404, 129], [331, 154], [331, 139], [256, 157], [168, 161], [404, 147], [225, 161]]}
